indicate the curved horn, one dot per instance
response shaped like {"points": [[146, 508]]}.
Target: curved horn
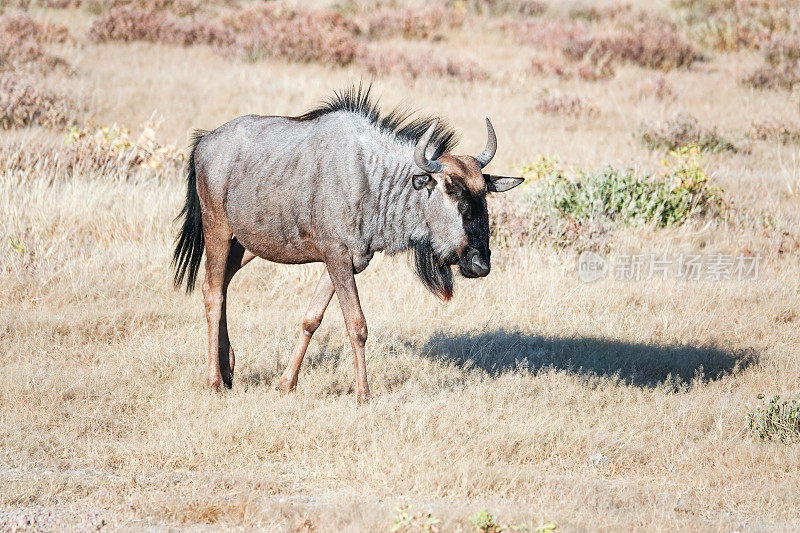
{"points": [[419, 152], [491, 146]]}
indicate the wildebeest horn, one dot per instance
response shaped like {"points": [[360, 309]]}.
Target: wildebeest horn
{"points": [[422, 145], [491, 146]]}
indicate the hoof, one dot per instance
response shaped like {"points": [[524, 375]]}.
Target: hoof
{"points": [[285, 386], [364, 398]]}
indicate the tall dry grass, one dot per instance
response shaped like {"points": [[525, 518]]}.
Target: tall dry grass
{"points": [[611, 405]]}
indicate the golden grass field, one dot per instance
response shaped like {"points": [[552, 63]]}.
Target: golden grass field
{"points": [[614, 405]]}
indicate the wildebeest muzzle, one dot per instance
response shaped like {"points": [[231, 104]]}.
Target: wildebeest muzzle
{"points": [[473, 264]]}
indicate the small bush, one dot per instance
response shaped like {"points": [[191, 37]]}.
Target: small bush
{"points": [[419, 521], [657, 87], [383, 62], [178, 7], [598, 13], [775, 132], [114, 148], [21, 27], [582, 210], [570, 105], [125, 24], [264, 16], [784, 75], [527, 8], [683, 131], [302, 36], [22, 43], [783, 48], [778, 420], [486, 522], [545, 34], [736, 24], [624, 196], [550, 65], [647, 45], [23, 103], [110, 152], [422, 23]]}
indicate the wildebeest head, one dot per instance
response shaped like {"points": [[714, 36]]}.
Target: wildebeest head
{"points": [[455, 207]]}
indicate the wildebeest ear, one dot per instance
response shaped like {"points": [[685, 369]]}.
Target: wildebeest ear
{"points": [[501, 183], [420, 181]]}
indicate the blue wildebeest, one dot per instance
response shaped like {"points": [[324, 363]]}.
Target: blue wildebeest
{"points": [[335, 185]]}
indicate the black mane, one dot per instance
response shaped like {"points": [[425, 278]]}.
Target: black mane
{"points": [[399, 122]]}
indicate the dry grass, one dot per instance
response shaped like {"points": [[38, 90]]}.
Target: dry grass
{"points": [[615, 405]]}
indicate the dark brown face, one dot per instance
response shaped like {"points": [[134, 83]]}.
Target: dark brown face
{"points": [[465, 186], [462, 220]]}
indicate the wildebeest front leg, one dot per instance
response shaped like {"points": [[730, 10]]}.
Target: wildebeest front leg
{"points": [[340, 268], [316, 309]]}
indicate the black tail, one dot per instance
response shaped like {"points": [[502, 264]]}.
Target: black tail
{"points": [[190, 242]]}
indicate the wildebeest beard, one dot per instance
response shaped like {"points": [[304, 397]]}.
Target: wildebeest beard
{"points": [[433, 270]]}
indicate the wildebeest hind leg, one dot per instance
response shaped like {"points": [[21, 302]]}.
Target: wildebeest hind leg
{"points": [[238, 257], [316, 309]]}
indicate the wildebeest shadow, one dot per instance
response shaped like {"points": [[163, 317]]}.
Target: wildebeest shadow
{"points": [[499, 351]]}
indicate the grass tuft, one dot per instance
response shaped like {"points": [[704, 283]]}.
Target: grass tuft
{"points": [[777, 420]]}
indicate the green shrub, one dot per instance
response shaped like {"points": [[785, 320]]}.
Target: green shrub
{"points": [[419, 521], [583, 208], [627, 197], [777, 420]]}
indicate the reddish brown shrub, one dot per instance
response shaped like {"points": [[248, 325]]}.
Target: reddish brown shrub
{"points": [[22, 40], [178, 7], [398, 63], [775, 131], [124, 24], [783, 48], [263, 16], [545, 34], [658, 87], [304, 36], [784, 75], [566, 104], [598, 13], [420, 23], [505, 7], [14, 4], [585, 70], [21, 27], [684, 130], [647, 45], [22, 103]]}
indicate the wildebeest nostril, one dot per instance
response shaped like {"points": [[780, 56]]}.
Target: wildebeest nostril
{"points": [[479, 266]]}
